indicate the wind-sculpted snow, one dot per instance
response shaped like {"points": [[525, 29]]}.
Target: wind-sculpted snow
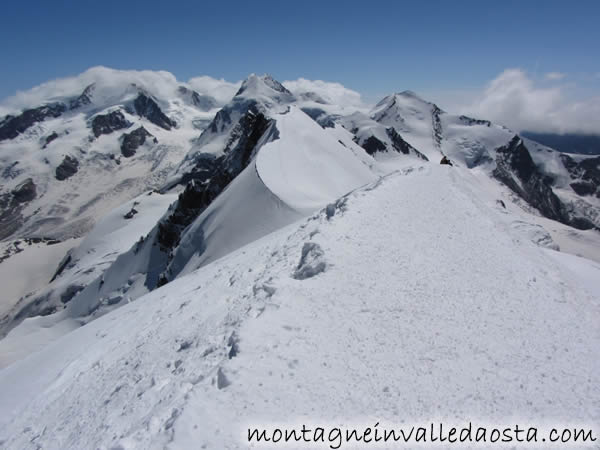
{"points": [[306, 167], [384, 334]]}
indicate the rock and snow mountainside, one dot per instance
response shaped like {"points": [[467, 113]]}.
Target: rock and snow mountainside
{"points": [[365, 312], [106, 139], [261, 164], [235, 281]]}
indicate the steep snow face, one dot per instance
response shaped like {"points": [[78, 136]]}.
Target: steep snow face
{"points": [[257, 95], [376, 138], [98, 146], [284, 182], [307, 168], [298, 169], [281, 331], [471, 142], [413, 118]]}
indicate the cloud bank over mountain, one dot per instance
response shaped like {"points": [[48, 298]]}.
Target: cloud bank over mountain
{"points": [[334, 93], [517, 100]]}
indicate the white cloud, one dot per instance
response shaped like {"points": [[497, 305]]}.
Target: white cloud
{"points": [[111, 83], [333, 93], [517, 101], [223, 91], [555, 76]]}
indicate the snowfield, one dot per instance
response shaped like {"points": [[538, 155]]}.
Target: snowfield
{"points": [[412, 298]]}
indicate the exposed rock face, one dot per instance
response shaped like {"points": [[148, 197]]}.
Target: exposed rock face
{"points": [[12, 126], [373, 145], [132, 141], [24, 192], [400, 145], [437, 125], [243, 140], [11, 217], [209, 178], [470, 121], [107, 123], [148, 108], [586, 173], [50, 138], [516, 169], [67, 168], [11, 207]]}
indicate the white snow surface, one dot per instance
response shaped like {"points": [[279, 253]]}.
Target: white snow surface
{"points": [[113, 235], [306, 167], [420, 303], [29, 270]]}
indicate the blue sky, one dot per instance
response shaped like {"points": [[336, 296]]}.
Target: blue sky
{"points": [[372, 47]]}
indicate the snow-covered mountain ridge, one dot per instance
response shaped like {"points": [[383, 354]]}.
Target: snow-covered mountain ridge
{"points": [[245, 149], [337, 316], [189, 190]]}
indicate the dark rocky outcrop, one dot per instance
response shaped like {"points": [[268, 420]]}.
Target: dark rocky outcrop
{"points": [[221, 121], [400, 145], [148, 108], [12, 126], [437, 125], [67, 168], [209, 178], [132, 141], [516, 169], [11, 207], [446, 161], [11, 217], [24, 192], [107, 123], [373, 145], [586, 174], [470, 121], [52, 136]]}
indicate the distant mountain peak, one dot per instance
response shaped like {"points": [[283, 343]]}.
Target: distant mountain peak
{"points": [[263, 85]]}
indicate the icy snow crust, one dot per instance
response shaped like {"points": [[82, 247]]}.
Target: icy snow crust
{"points": [[427, 304]]}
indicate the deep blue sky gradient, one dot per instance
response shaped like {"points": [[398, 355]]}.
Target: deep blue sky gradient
{"points": [[370, 46]]}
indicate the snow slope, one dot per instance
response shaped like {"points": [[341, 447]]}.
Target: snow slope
{"points": [[50, 285], [306, 167], [407, 300], [29, 270]]}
